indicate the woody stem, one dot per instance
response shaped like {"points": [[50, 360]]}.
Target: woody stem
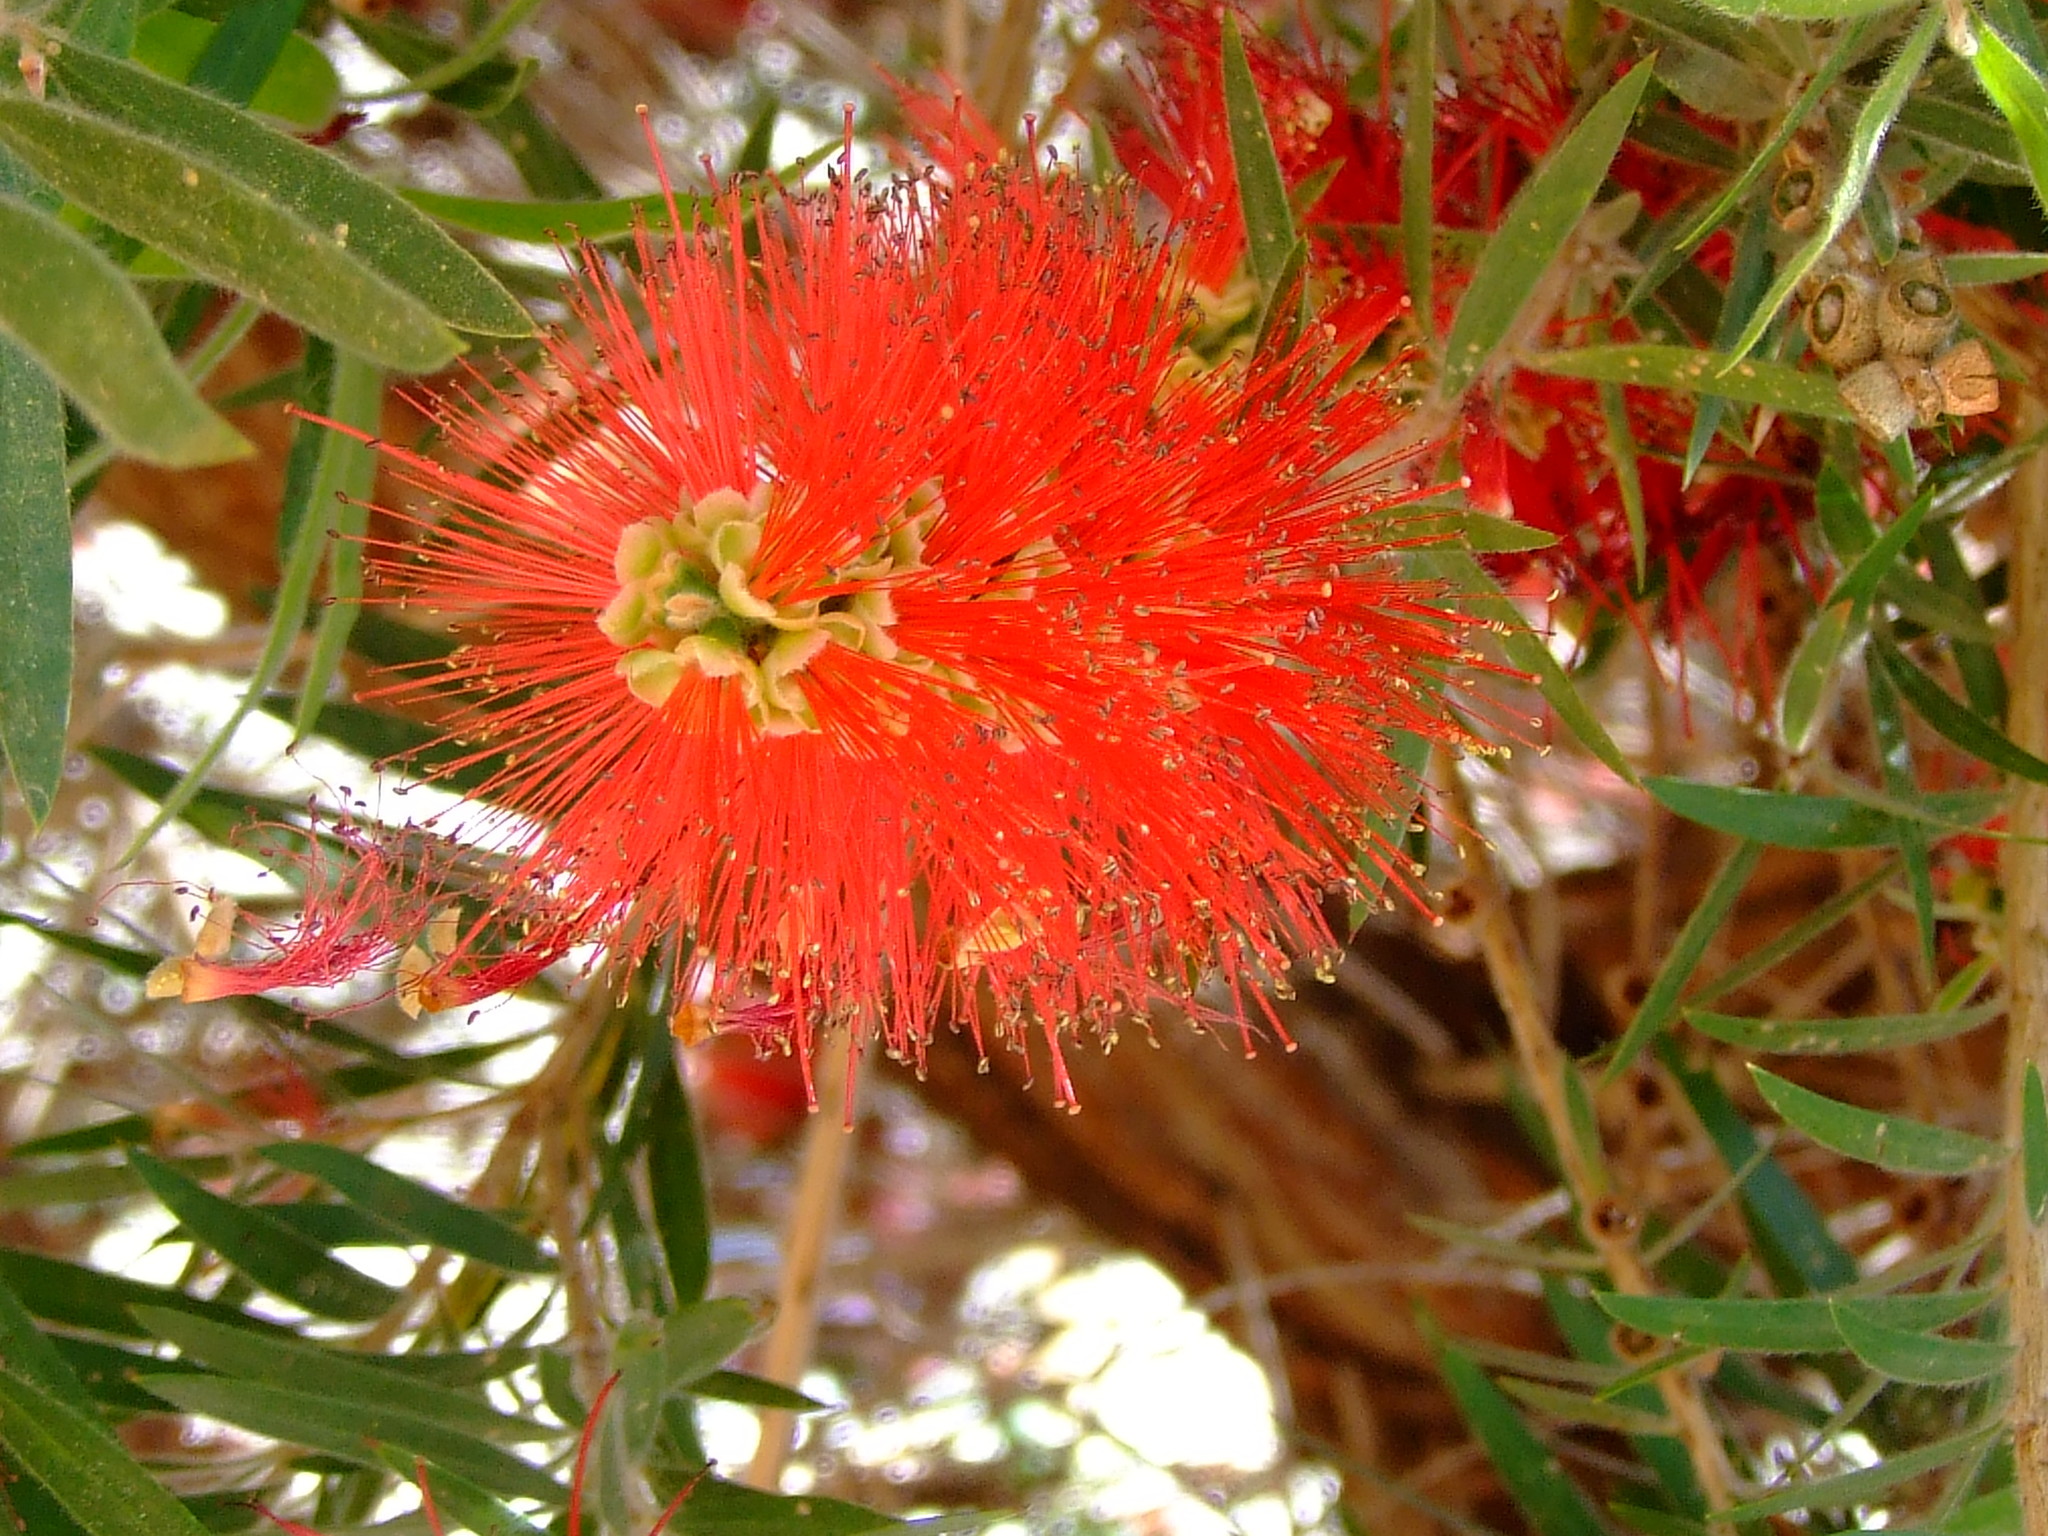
{"points": [[2025, 878], [1545, 1067], [820, 1194]]}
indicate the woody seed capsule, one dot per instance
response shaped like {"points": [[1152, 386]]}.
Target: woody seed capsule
{"points": [[1916, 316]]}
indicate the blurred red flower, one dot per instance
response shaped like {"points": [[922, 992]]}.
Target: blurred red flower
{"points": [[889, 622]]}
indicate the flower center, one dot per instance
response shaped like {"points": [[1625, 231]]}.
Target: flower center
{"points": [[688, 599]]}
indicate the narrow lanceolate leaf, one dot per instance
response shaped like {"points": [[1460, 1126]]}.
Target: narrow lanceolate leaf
{"points": [[2034, 1142], [265, 1249], [1990, 269], [355, 398], [458, 1500], [1848, 49], [1848, 1489], [678, 1200], [1771, 1325], [1418, 166], [376, 226], [1860, 582], [1660, 1002], [1534, 229], [221, 226], [76, 313], [28, 1354], [1813, 821], [426, 1214], [1550, 1501], [1841, 1037], [1752, 381], [1852, 170], [324, 464], [353, 1429], [35, 580], [1813, 674], [1790, 1238], [2021, 95], [1976, 736], [1923, 1358], [1261, 189], [85, 1469], [252, 1355], [1889, 1141], [301, 87], [1525, 650]]}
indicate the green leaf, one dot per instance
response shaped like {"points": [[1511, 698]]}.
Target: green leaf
{"points": [[1847, 51], [1841, 1037], [75, 313], [457, 1498], [720, 1508], [99, 1484], [353, 1429], [478, 52], [79, 1297], [1730, 376], [265, 1249], [1895, 763], [249, 1355], [1976, 658], [324, 464], [1482, 532], [1788, 1234], [1990, 269], [26, 1353], [1801, 10], [35, 581], [1550, 1501], [1795, 937], [2034, 1142], [1418, 166], [1814, 673], [1845, 1490], [1932, 703], [382, 233], [355, 398], [677, 1195], [755, 1391], [1533, 231], [1560, 1405], [1851, 168], [1860, 582], [1886, 1140], [225, 228], [238, 57], [1802, 1325], [301, 87], [2020, 94], [1525, 651], [425, 1213], [1813, 821], [108, 25], [1261, 189], [542, 223], [1908, 1354], [1660, 1002]]}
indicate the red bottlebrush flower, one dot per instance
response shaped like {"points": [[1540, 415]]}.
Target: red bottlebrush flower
{"points": [[907, 634]]}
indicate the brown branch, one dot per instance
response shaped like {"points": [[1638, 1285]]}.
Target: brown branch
{"points": [[1606, 1226], [2025, 875]]}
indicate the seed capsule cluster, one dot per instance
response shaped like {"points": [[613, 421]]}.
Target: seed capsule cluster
{"points": [[1890, 335], [1887, 329]]}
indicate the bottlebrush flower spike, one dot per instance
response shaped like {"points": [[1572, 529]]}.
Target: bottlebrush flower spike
{"points": [[901, 634]]}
